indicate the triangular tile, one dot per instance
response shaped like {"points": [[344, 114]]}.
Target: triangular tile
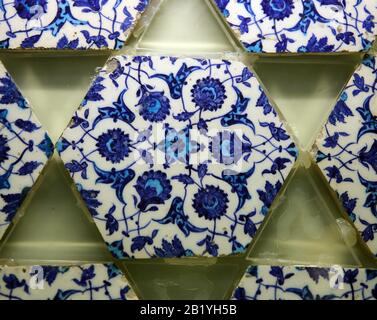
{"points": [[186, 27], [54, 230], [346, 150], [25, 149], [305, 89], [307, 226], [54, 84], [190, 280]]}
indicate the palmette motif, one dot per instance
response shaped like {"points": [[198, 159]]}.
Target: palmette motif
{"points": [[24, 149], [176, 157], [346, 150], [68, 24], [302, 26], [84, 282], [306, 283]]}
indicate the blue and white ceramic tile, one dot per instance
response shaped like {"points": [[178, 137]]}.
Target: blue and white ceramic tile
{"points": [[24, 149], [177, 157], [346, 150], [68, 24], [85, 282], [306, 283], [302, 26]]}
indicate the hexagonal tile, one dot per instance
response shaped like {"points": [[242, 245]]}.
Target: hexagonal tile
{"points": [[306, 283], [177, 157], [68, 24], [301, 26], [84, 282], [346, 150], [24, 149]]}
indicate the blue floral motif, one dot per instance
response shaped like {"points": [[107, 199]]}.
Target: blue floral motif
{"points": [[153, 187], [210, 202], [10, 93], [154, 106], [30, 9], [47, 24], [268, 196], [277, 9], [208, 94], [24, 149], [84, 282], [114, 145], [306, 283], [135, 152], [347, 151], [305, 26], [94, 93]]}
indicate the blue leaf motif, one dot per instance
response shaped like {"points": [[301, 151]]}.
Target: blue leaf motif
{"points": [[210, 246], [112, 224], [176, 82], [316, 273], [119, 111], [87, 274], [340, 112], [177, 216], [139, 242], [46, 146], [26, 125], [117, 179], [184, 178], [240, 294], [239, 185], [172, 250], [50, 273], [238, 115], [117, 250], [369, 158], [29, 167]]}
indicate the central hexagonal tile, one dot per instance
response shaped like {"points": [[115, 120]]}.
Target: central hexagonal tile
{"points": [[177, 157]]}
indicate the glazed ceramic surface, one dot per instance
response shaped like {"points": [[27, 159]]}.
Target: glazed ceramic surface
{"points": [[306, 283], [304, 26], [346, 150], [177, 157], [85, 282], [24, 149], [67, 24]]}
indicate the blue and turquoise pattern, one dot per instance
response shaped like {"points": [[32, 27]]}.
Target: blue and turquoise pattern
{"points": [[346, 150], [177, 157], [67, 24], [25, 148], [306, 283], [82, 282], [302, 26]]}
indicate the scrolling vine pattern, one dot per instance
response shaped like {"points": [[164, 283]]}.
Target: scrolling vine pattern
{"points": [[346, 151], [137, 150], [67, 24], [302, 26]]}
